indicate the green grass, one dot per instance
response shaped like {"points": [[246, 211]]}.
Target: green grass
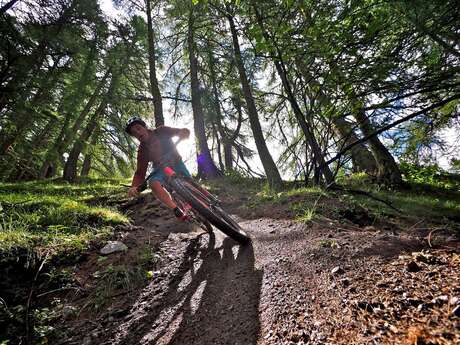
{"points": [[113, 278], [417, 204], [55, 217], [304, 214], [58, 221], [428, 194], [430, 200]]}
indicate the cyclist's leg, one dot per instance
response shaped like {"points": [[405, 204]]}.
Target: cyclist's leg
{"points": [[156, 183]]}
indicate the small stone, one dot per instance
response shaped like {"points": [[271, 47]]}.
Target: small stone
{"points": [[117, 313], [113, 246], [413, 267], [414, 302], [272, 231], [404, 257], [337, 270], [452, 238], [295, 337], [440, 299], [352, 289], [454, 301]]}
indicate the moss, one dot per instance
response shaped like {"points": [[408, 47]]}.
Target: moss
{"points": [[54, 216]]}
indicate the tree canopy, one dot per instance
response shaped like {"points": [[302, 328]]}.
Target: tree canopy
{"points": [[310, 89]]}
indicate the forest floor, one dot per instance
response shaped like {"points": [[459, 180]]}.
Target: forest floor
{"points": [[333, 275], [322, 268]]}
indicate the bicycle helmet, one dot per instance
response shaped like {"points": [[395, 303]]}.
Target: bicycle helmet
{"points": [[133, 120]]}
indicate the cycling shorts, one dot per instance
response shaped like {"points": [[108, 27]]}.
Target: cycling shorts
{"points": [[160, 176]]}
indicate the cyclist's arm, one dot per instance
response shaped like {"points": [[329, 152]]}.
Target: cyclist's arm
{"points": [[182, 133], [142, 165]]}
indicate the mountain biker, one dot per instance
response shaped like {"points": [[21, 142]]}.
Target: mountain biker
{"points": [[154, 143]]}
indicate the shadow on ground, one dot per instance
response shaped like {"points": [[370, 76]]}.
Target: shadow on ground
{"points": [[212, 298]]}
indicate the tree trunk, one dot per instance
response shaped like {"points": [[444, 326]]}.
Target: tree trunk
{"points": [[273, 175], [7, 6], [206, 166], [215, 134], [361, 157], [23, 120], [217, 112], [304, 125], [51, 155], [86, 167], [228, 142], [41, 139], [66, 136], [70, 168], [388, 171], [154, 88]]}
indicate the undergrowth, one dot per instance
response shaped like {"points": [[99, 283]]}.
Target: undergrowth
{"points": [[54, 217], [43, 226], [428, 193]]}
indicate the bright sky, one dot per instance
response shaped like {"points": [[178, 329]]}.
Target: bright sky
{"points": [[108, 8]]}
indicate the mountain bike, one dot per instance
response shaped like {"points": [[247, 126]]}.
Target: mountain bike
{"points": [[195, 201]]}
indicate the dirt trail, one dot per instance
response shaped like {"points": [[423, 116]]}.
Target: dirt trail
{"points": [[315, 283]]}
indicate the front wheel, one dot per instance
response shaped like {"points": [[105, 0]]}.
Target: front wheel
{"points": [[216, 215]]}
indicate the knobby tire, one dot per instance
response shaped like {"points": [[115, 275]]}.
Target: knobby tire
{"points": [[215, 215]]}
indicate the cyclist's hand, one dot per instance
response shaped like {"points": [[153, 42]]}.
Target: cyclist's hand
{"points": [[133, 192], [184, 133]]}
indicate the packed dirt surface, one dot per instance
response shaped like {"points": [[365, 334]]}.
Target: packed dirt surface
{"points": [[343, 280]]}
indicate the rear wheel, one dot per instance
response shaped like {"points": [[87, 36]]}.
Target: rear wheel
{"points": [[216, 215]]}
